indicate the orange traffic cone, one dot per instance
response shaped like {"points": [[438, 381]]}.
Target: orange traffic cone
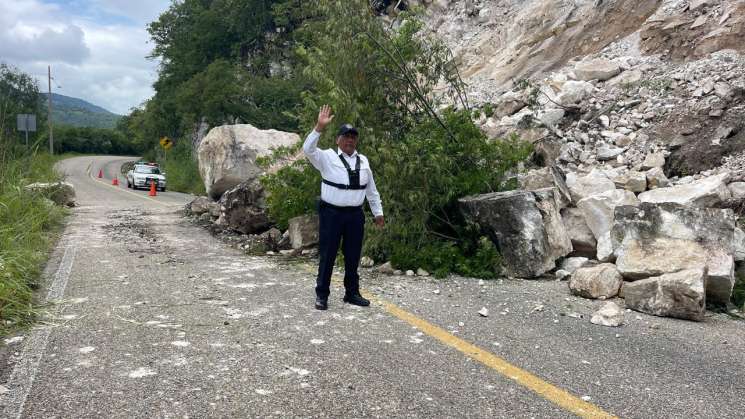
{"points": [[115, 182], [100, 173], [152, 189]]}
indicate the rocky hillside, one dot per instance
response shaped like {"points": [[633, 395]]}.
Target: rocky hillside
{"points": [[636, 111]]}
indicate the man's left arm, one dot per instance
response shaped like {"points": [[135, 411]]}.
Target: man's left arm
{"points": [[373, 199]]}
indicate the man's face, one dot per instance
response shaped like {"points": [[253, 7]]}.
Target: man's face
{"points": [[347, 143]]}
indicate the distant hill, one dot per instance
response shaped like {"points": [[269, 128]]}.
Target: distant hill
{"points": [[79, 113]]}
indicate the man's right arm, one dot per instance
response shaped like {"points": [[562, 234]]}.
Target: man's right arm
{"points": [[310, 149], [310, 146]]}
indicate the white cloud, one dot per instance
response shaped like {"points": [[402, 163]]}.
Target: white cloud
{"points": [[97, 49], [66, 45]]}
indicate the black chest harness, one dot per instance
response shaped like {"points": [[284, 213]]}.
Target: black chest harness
{"points": [[354, 176]]}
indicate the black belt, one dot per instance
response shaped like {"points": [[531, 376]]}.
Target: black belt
{"points": [[326, 204], [342, 186]]}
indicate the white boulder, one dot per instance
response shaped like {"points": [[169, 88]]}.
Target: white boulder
{"points": [[227, 154], [679, 294], [704, 193]]}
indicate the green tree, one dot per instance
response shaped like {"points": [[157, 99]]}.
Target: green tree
{"points": [[387, 82], [19, 93]]}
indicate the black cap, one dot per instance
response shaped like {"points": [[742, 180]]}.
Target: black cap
{"points": [[348, 129]]}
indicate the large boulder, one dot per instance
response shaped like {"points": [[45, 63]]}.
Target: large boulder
{"points": [[303, 231], [546, 177], [583, 241], [704, 193], [679, 294], [61, 193], [598, 211], [243, 208], [655, 239], [599, 281], [593, 183], [526, 227], [227, 155], [597, 69]]}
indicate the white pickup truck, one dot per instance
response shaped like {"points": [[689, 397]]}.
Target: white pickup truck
{"points": [[142, 175]]}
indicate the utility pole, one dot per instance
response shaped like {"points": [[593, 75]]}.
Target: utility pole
{"points": [[51, 133]]}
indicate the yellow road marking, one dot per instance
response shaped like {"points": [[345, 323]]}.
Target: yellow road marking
{"points": [[125, 190], [548, 391]]}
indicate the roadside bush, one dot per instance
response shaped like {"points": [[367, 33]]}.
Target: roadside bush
{"points": [[424, 156], [27, 226], [182, 170]]}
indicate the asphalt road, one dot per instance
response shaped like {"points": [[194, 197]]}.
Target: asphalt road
{"points": [[151, 317]]}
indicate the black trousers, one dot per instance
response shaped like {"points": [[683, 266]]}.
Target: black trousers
{"points": [[345, 227]]}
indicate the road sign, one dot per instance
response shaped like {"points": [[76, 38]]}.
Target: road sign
{"points": [[26, 122], [166, 143]]}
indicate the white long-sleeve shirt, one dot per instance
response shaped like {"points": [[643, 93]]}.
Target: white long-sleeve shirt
{"points": [[332, 169]]}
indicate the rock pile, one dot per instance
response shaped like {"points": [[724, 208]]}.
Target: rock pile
{"points": [[648, 130]]}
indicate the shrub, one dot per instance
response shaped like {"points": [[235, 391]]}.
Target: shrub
{"points": [[182, 170]]}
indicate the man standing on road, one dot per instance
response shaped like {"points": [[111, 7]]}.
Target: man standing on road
{"points": [[347, 180]]}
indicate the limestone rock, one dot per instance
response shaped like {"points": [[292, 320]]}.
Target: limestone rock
{"points": [[227, 155], [598, 211], [561, 274], [572, 264], [707, 192], [583, 241], [546, 177], [598, 69], [679, 294], [575, 91], [653, 160], [626, 78], [509, 103], [303, 231], [600, 281], [656, 178], [421, 272], [200, 205], [243, 208], [526, 227], [550, 117], [655, 239], [610, 314], [367, 262], [61, 193], [607, 152], [737, 190], [739, 245], [593, 183], [632, 181], [386, 268]]}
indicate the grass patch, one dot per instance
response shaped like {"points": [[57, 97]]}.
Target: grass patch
{"points": [[29, 223], [182, 170]]}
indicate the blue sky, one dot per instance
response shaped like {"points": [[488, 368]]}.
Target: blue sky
{"points": [[96, 48]]}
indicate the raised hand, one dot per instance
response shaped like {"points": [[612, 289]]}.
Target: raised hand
{"points": [[324, 118]]}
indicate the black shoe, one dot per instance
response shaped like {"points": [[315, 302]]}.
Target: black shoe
{"points": [[357, 300], [321, 304]]}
